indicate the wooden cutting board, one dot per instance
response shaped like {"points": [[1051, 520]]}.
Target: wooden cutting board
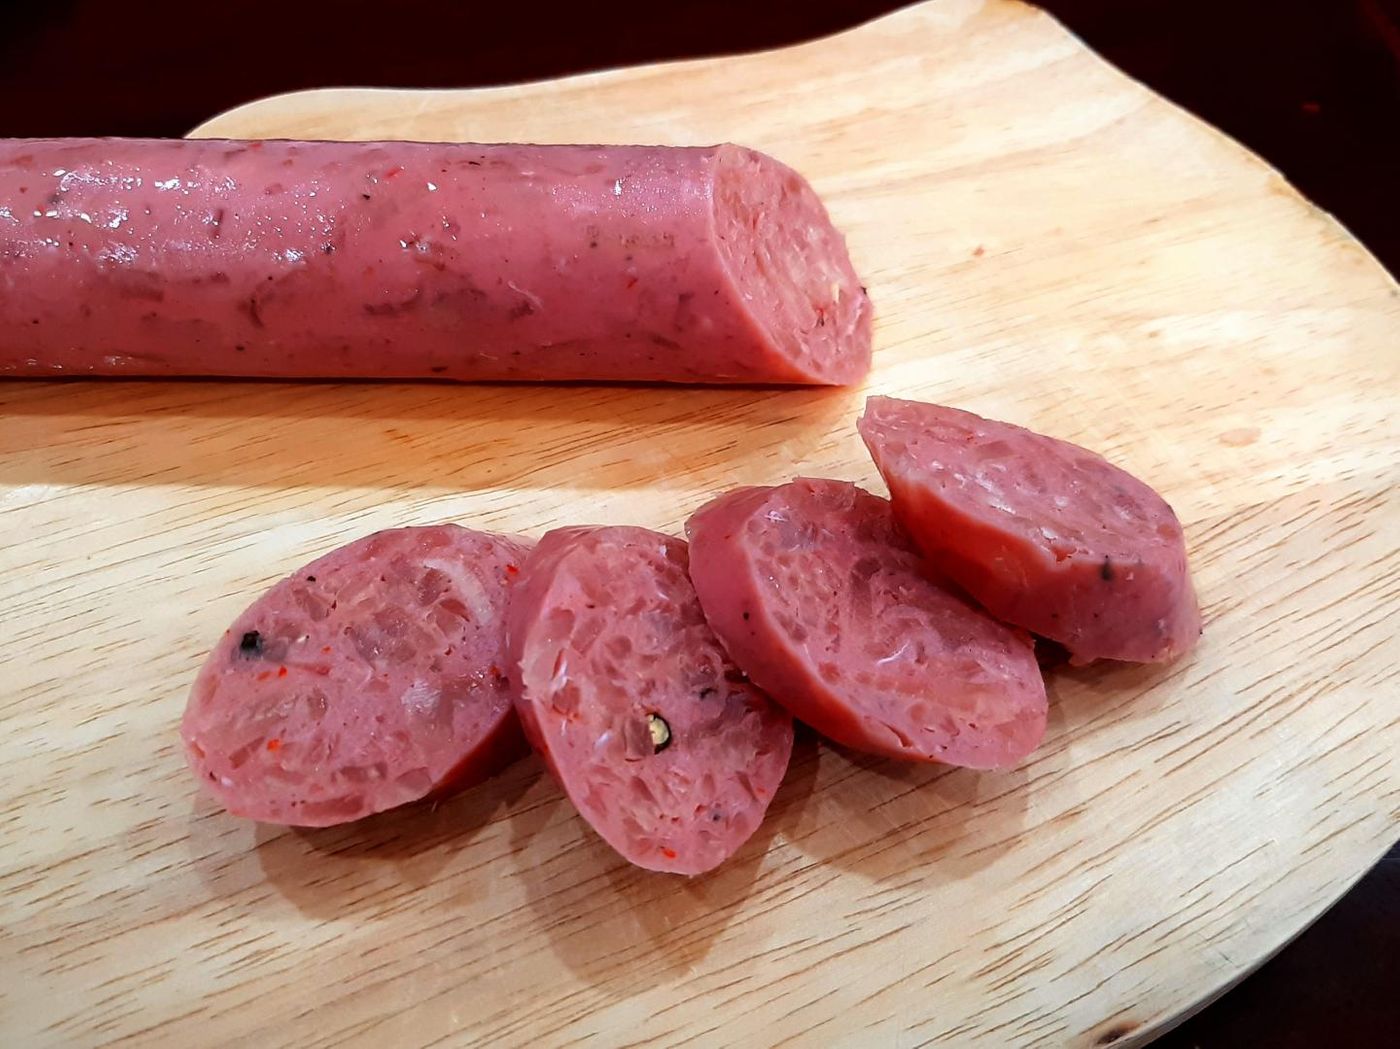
{"points": [[1046, 242]]}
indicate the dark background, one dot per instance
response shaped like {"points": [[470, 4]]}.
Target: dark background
{"points": [[1312, 85]]}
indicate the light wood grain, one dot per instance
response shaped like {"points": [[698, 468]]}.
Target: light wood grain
{"points": [[1045, 242]]}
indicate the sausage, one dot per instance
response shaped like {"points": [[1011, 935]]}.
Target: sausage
{"points": [[660, 742], [410, 260], [1045, 534], [820, 597], [373, 677]]}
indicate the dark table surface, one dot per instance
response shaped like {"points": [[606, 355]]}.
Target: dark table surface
{"points": [[1312, 85]]}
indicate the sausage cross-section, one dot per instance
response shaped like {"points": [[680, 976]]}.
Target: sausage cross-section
{"points": [[816, 592], [412, 260], [657, 738], [375, 676], [1043, 533]]}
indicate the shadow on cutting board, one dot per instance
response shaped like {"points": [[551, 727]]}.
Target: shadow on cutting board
{"points": [[623, 929], [358, 869], [903, 822], [920, 825], [463, 437]]}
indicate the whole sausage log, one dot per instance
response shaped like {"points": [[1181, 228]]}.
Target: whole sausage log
{"points": [[406, 260]]}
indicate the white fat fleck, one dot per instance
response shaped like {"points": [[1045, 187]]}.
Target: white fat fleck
{"points": [[432, 188], [561, 675], [58, 172], [534, 299], [119, 215], [420, 698], [170, 183], [473, 593], [6, 213], [292, 255], [303, 639], [603, 740], [38, 214], [835, 291], [1060, 502], [226, 781], [775, 515], [617, 187], [893, 655]]}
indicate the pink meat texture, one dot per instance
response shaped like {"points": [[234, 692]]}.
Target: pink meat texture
{"points": [[1043, 533], [608, 637], [373, 677], [407, 260], [816, 592]]}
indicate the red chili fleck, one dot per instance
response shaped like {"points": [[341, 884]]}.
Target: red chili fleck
{"points": [[631, 283], [393, 171], [495, 670], [325, 650], [273, 744], [281, 671], [1312, 108], [979, 251], [670, 854], [264, 675], [512, 570]]}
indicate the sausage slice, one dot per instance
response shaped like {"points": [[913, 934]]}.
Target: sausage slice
{"points": [[1044, 533], [659, 741], [373, 677], [817, 593]]}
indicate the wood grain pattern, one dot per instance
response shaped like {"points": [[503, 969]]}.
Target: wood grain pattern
{"points": [[1045, 242]]}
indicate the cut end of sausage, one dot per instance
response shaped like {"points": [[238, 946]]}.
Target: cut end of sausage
{"points": [[817, 594], [373, 677], [662, 745], [790, 266], [1045, 534]]}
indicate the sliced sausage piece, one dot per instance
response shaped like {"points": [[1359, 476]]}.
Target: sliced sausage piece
{"points": [[373, 677], [413, 260], [1045, 534], [817, 593], [664, 747]]}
